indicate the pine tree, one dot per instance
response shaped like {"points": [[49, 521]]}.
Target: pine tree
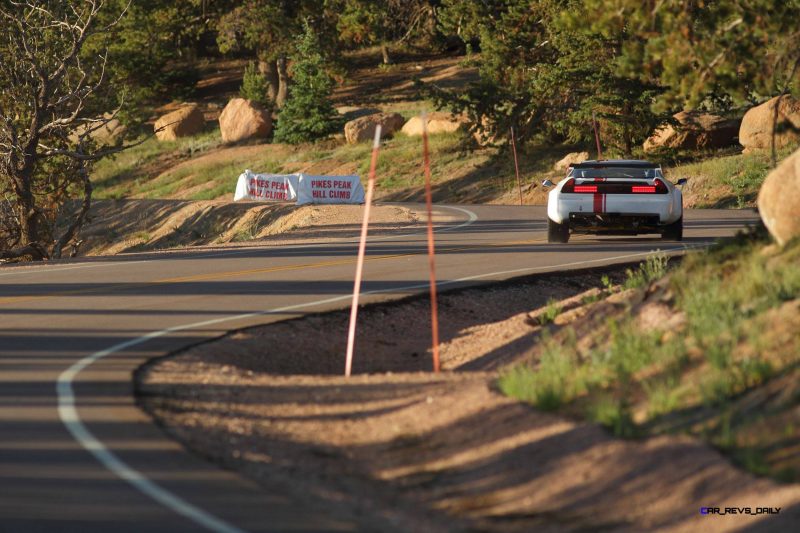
{"points": [[308, 113], [254, 86], [544, 71]]}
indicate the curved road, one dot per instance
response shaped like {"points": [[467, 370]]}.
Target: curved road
{"points": [[76, 454]]}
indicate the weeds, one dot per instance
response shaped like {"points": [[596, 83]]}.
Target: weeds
{"points": [[652, 269], [591, 298], [724, 349], [551, 311], [550, 385], [615, 415]]}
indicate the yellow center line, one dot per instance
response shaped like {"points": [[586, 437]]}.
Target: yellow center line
{"points": [[239, 273]]}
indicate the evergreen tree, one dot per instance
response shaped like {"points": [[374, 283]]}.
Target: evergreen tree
{"points": [[544, 71], [515, 45], [706, 53], [308, 113], [589, 73], [269, 28], [365, 22], [254, 86]]}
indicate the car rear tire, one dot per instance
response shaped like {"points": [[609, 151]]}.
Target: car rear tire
{"points": [[674, 231], [557, 233]]}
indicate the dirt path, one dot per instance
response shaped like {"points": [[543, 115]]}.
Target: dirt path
{"points": [[442, 452]]}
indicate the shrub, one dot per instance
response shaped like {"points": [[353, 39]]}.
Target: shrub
{"points": [[308, 113], [254, 86]]}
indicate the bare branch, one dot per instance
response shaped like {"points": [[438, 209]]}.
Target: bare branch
{"points": [[42, 115], [95, 156]]}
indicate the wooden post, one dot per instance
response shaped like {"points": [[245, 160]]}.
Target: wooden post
{"points": [[431, 244], [362, 246], [516, 164]]}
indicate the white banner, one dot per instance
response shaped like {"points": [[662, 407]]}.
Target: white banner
{"points": [[266, 187], [330, 190]]}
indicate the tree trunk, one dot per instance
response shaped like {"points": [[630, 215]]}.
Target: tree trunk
{"points": [[269, 69], [26, 212], [28, 229], [627, 131], [283, 83], [387, 60], [431, 25]]}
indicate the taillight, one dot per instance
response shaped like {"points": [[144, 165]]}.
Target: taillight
{"points": [[658, 187], [570, 187]]}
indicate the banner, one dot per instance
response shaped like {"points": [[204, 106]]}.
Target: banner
{"points": [[266, 187], [330, 190]]}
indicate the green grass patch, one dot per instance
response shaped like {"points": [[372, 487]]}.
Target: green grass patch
{"points": [[550, 385], [550, 313], [648, 381], [739, 175], [654, 267], [124, 174], [149, 170], [458, 173]]}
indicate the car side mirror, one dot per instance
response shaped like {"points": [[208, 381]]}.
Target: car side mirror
{"points": [[683, 181], [547, 183]]}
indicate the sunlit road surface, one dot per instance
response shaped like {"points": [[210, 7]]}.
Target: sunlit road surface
{"points": [[76, 454]]}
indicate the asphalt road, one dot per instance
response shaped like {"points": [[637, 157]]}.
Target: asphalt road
{"points": [[76, 454]]}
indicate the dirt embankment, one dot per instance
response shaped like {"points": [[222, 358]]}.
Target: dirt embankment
{"points": [[403, 449], [118, 226]]}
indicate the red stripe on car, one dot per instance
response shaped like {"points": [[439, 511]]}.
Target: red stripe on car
{"points": [[599, 199]]}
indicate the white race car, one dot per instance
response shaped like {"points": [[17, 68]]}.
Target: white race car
{"points": [[614, 197]]}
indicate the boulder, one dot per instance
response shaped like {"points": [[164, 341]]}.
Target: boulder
{"points": [[183, 122], [244, 119], [569, 159], [106, 135], [695, 130], [779, 200], [363, 128], [756, 130], [438, 122]]}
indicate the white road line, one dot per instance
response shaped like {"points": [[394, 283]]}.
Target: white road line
{"points": [[70, 417], [42, 268]]}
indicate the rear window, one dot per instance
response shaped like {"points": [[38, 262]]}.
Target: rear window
{"points": [[615, 172]]}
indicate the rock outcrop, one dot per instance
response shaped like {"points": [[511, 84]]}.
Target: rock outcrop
{"points": [[756, 130], [363, 128], [183, 122], [695, 130], [244, 119], [569, 159], [438, 122], [779, 200]]}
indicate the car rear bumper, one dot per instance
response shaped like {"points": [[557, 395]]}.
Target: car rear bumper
{"points": [[622, 212], [615, 223]]}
